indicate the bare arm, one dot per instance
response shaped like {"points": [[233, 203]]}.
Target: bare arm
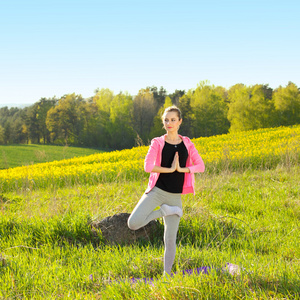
{"points": [[183, 170], [158, 169]]}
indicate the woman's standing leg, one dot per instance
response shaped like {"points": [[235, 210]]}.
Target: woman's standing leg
{"points": [[170, 234]]}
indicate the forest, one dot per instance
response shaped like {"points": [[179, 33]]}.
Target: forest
{"points": [[119, 121]]}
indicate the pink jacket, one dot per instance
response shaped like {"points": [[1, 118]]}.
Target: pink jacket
{"points": [[153, 158]]}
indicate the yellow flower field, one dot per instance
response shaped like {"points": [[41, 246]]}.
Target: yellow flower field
{"points": [[263, 148]]}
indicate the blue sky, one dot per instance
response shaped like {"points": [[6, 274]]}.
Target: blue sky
{"points": [[52, 48]]}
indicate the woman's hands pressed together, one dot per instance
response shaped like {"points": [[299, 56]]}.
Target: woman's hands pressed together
{"points": [[176, 166]]}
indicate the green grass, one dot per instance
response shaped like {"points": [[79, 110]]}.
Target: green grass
{"points": [[247, 218], [23, 155]]}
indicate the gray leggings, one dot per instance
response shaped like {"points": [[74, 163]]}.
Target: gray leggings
{"points": [[144, 212]]}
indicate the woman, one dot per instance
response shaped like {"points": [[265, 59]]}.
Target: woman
{"points": [[171, 161]]}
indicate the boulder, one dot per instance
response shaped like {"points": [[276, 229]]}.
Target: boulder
{"points": [[114, 230]]}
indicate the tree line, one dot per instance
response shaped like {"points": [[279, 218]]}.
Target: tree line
{"points": [[117, 121]]}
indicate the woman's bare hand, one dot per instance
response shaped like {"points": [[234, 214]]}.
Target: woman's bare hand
{"points": [[174, 164], [176, 158]]}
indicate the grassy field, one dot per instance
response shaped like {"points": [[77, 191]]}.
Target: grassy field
{"points": [[23, 155], [245, 214]]}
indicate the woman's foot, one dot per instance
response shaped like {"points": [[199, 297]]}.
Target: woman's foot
{"points": [[171, 210], [166, 275]]}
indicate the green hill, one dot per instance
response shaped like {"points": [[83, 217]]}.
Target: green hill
{"points": [[22, 155], [246, 211]]}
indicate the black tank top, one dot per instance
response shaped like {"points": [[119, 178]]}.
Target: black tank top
{"points": [[172, 182]]}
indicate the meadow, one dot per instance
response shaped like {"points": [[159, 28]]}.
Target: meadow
{"points": [[246, 211], [12, 156]]}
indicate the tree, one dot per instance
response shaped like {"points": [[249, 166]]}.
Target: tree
{"points": [[8, 114], [262, 106], [64, 120], [159, 96], [10, 120], [91, 131], [36, 120], [32, 124], [4, 115], [144, 110], [17, 134], [7, 132], [121, 128], [287, 104], [175, 97], [2, 138], [25, 133], [209, 110], [103, 99], [250, 107], [184, 104], [157, 129], [42, 108]]}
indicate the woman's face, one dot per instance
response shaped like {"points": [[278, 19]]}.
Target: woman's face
{"points": [[171, 121]]}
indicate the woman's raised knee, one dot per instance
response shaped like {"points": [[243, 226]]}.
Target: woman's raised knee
{"points": [[133, 223]]}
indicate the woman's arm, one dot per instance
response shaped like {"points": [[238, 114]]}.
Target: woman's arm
{"points": [[183, 170], [198, 164], [149, 164], [158, 169]]}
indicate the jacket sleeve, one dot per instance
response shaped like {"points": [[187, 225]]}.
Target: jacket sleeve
{"points": [[198, 164], [151, 156]]}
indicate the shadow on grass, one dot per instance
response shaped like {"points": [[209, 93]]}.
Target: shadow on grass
{"points": [[212, 232], [71, 229], [203, 232]]}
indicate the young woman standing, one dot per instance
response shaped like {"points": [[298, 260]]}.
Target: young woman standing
{"points": [[171, 160]]}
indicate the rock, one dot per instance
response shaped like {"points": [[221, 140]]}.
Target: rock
{"points": [[115, 230]]}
